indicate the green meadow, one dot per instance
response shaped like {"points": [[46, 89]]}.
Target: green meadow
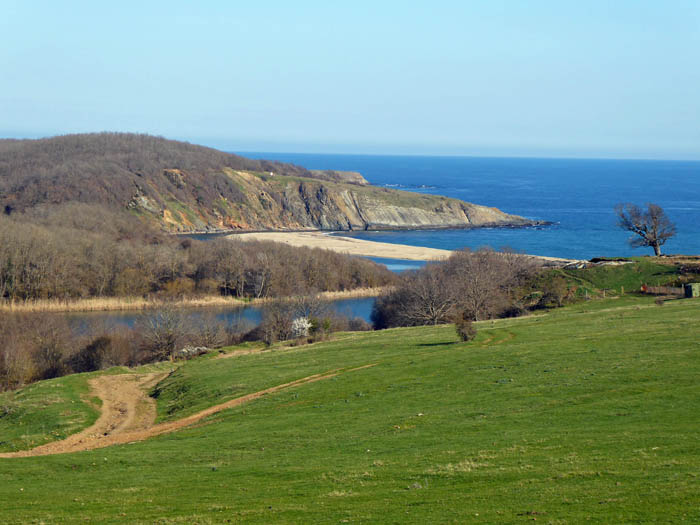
{"points": [[589, 413]]}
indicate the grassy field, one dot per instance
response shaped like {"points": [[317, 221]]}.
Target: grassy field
{"points": [[584, 414], [620, 279]]}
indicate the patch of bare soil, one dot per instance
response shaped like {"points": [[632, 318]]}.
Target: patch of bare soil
{"points": [[127, 413], [125, 408]]}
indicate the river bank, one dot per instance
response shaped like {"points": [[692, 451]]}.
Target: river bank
{"points": [[106, 304]]}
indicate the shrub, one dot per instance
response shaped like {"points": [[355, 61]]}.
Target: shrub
{"points": [[358, 324], [90, 357], [276, 323], [124, 348], [238, 331], [180, 287], [131, 282], [554, 293], [465, 328], [207, 331], [50, 341], [517, 309], [300, 327]]}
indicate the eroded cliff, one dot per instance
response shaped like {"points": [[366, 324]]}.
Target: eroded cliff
{"points": [[186, 188]]}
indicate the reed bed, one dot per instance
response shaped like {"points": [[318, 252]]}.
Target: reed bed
{"points": [[103, 304]]}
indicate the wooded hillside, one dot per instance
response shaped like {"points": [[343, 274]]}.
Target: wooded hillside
{"points": [[181, 187]]}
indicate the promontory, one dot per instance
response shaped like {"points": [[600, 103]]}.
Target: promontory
{"points": [[188, 188]]}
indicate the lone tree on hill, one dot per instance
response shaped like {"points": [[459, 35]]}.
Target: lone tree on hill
{"points": [[652, 226]]}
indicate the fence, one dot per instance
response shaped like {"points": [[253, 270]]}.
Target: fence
{"points": [[663, 290]]}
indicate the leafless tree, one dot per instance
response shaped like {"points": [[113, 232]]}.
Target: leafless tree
{"points": [[429, 298], [310, 306], [476, 285], [207, 331], [485, 280], [162, 331], [276, 322], [50, 254], [652, 226]]}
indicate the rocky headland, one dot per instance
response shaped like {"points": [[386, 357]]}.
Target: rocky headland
{"points": [[184, 188]]}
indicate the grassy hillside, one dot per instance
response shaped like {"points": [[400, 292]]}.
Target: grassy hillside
{"points": [[629, 277], [587, 413]]}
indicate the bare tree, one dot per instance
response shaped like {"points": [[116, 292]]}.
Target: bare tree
{"points": [[162, 331], [486, 280], [652, 227], [207, 331], [276, 322], [476, 285], [429, 298], [310, 306], [44, 255]]}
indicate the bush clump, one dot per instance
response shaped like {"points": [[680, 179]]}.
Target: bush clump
{"points": [[465, 327]]}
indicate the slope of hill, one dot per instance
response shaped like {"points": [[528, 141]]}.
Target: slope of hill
{"points": [[564, 418], [184, 188]]}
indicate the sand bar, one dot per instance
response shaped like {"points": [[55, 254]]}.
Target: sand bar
{"points": [[347, 245], [352, 246]]}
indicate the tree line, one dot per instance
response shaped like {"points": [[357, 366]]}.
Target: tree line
{"points": [[469, 285], [107, 168], [77, 250]]}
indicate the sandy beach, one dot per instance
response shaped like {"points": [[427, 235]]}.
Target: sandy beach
{"points": [[347, 245], [352, 246]]}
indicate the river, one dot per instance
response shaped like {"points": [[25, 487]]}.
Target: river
{"points": [[83, 322]]}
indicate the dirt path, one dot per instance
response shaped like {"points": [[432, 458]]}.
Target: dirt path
{"points": [[127, 413], [125, 408]]}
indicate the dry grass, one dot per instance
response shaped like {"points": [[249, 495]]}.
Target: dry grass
{"points": [[101, 304], [330, 296]]}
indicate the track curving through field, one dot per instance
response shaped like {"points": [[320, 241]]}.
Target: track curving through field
{"points": [[127, 413]]}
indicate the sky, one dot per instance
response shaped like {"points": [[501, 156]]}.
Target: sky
{"points": [[568, 78]]}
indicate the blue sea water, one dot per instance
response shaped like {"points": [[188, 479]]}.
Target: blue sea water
{"points": [[578, 195]]}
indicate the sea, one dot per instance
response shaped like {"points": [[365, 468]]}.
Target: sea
{"points": [[577, 196]]}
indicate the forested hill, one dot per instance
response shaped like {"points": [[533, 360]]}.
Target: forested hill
{"points": [[184, 187]]}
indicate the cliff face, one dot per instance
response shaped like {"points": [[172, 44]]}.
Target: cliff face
{"points": [[186, 188], [281, 202]]}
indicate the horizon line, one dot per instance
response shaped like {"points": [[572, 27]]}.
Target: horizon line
{"points": [[284, 151], [462, 155]]}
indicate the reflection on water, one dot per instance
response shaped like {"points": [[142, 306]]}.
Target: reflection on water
{"points": [[83, 321]]}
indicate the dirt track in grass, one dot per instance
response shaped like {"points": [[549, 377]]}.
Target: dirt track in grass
{"points": [[127, 414]]}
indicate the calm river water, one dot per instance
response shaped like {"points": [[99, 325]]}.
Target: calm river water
{"points": [[84, 321]]}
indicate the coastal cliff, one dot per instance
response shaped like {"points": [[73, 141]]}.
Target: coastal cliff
{"points": [[188, 188]]}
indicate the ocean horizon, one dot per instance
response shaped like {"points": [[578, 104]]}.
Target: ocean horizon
{"points": [[576, 195]]}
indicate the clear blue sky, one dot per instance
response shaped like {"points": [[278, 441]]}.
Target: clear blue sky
{"points": [[610, 78]]}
